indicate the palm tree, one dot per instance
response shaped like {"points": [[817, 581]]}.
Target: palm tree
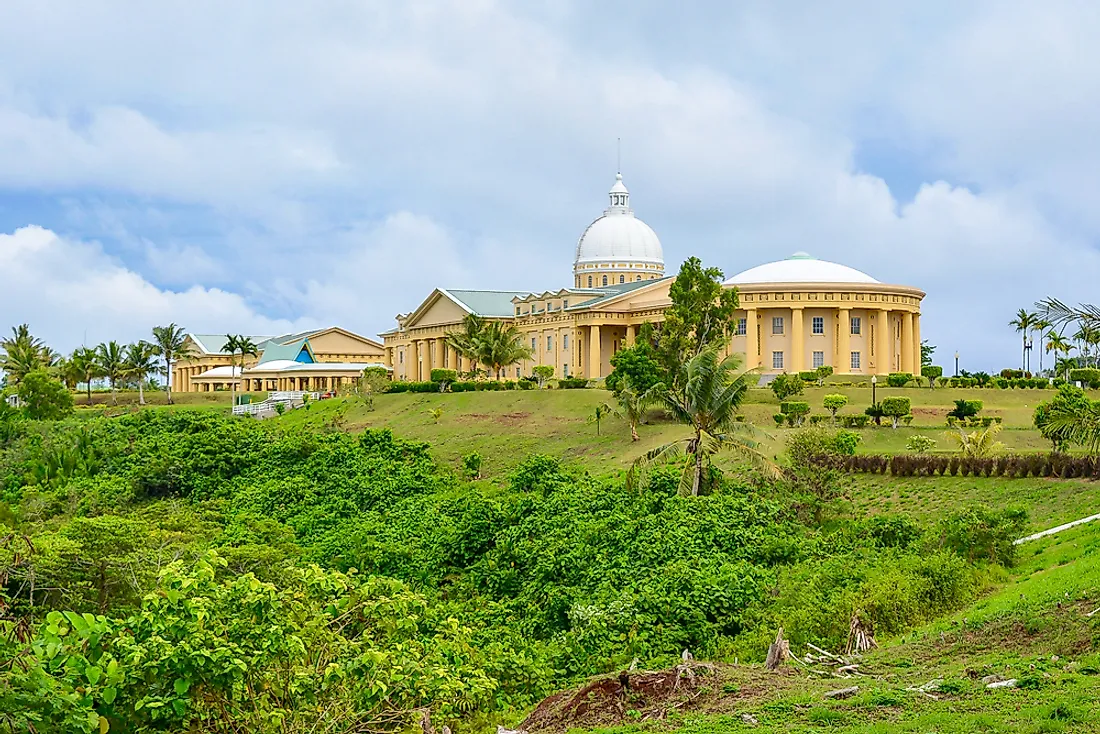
{"points": [[1059, 345], [979, 444], [468, 341], [602, 411], [170, 342], [1041, 327], [238, 344], [1088, 336], [140, 363], [1024, 322], [634, 404], [22, 353], [1077, 423], [85, 363], [708, 400], [111, 358], [501, 345]]}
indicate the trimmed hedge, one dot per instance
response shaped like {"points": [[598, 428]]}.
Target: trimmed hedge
{"points": [[1087, 375], [572, 383], [898, 379], [1011, 466], [414, 387], [932, 372], [442, 375], [808, 375]]}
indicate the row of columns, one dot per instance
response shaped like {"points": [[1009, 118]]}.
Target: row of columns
{"points": [[909, 357]]}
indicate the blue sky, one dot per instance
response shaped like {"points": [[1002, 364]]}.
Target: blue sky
{"points": [[259, 166]]}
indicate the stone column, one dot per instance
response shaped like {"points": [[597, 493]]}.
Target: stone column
{"points": [[440, 347], [916, 344], [595, 354], [907, 342], [631, 335], [798, 340], [882, 342], [843, 344], [752, 346]]}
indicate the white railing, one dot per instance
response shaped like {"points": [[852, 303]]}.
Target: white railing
{"points": [[266, 408], [281, 395]]}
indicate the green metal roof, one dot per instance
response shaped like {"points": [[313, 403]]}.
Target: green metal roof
{"points": [[486, 303], [215, 343], [612, 291]]}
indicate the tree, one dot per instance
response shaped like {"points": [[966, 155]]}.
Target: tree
{"points": [[926, 352], [833, 403], [140, 363], [700, 316], [895, 408], [43, 396], [172, 345], [111, 358], [1059, 419], [931, 373], [707, 395], [242, 345], [602, 411], [543, 373], [1041, 327], [22, 353], [635, 403], [979, 444], [637, 365], [1024, 323], [373, 381], [1059, 345], [785, 386], [467, 342], [85, 363], [501, 345]]}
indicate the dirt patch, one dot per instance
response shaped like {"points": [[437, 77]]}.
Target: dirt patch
{"points": [[929, 412], [637, 696], [507, 419]]}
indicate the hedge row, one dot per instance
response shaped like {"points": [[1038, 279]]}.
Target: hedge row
{"points": [[478, 386], [1012, 466]]}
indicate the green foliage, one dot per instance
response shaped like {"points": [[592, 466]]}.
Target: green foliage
{"points": [[44, 397], [471, 463], [926, 352], [855, 421], [898, 379], [572, 383], [808, 375], [966, 409], [931, 372], [699, 316], [638, 365], [1088, 376], [833, 403], [1061, 419], [920, 444], [543, 373], [896, 407], [795, 410], [983, 533], [785, 386], [443, 377]]}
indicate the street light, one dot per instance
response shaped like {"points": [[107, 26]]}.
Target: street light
{"points": [[874, 385], [1027, 355], [956, 364]]}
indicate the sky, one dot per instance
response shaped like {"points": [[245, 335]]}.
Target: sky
{"points": [[265, 166]]}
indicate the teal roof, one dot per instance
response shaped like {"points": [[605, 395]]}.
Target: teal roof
{"points": [[486, 303], [278, 349], [612, 291], [215, 343]]}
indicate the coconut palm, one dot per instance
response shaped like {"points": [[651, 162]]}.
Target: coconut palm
{"points": [[979, 444], [238, 344], [170, 342], [602, 411], [140, 363], [1041, 327], [1024, 322], [708, 398], [501, 345], [22, 353], [85, 363], [1087, 336], [634, 404], [1060, 345], [467, 342], [111, 358], [1077, 422]]}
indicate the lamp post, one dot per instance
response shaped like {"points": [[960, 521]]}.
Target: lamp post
{"points": [[956, 364], [874, 386], [1027, 355]]}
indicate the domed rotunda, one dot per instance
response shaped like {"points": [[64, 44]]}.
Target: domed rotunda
{"points": [[618, 247]]}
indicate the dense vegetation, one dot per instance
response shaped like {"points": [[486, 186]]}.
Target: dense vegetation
{"points": [[217, 572]]}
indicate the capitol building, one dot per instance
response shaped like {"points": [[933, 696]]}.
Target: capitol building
{"points": [[795, 314]]}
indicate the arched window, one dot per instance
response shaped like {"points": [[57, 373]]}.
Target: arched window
{"points": [[622, 278], [639, 277], [589, 281], [605, 280]]}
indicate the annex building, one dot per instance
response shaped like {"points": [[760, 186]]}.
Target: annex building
{"points": [[796, 314], [319, 360]]}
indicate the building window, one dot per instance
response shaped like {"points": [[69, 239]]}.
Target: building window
{"points": [[517, 310], [549, 343], [534, 343], [401, 358], [622, 278], [565, 369], [605, 280], [777, 360], [777, 325], [855, 360], [819, 324], [819, 359], [565, 304], [639, 277], [517, 373], [742, 327], [564, 341], [857, 324], [589, 281]]}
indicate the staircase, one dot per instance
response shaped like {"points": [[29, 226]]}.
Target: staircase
{"points": [[266, 408]]}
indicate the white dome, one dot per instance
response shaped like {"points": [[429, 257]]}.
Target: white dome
{"points": [[619, 236], [801, 268]]}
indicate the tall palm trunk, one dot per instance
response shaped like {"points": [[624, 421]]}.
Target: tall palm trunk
{"points": [[141, 392], [697, 478], [168, 378], [114, 394], [89, 386]]}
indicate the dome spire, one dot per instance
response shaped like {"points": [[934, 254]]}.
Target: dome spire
{"points": [[620, 197]]}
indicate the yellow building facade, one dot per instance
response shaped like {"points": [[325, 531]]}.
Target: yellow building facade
{"points": [[319, 360], [795, 314]]}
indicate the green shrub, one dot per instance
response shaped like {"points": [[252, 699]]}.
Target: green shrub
{"points": [[572, 383], [898, 379], [471, 463], [1085, 375], [983, 533], [637, 364], [920, 444], [785, 386], [834, 402], [526, 385], [443, 376], [931, 372], [895, 408], [795, 410], [854, 421], [779, 419], [966, 409], [808, 375], [44, 397]]}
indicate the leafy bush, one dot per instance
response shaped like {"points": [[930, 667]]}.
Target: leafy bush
{"points": [[542, 374], [808, 375], [854, 421], [785, 386], [795, 410], [983, 533], [572, 383], [920, 444], [835, 402], [44, 397], [931, 372], [895, 408], [443, 377], [965, 409], [898, 379], [638, 365], [1088, 376]]}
